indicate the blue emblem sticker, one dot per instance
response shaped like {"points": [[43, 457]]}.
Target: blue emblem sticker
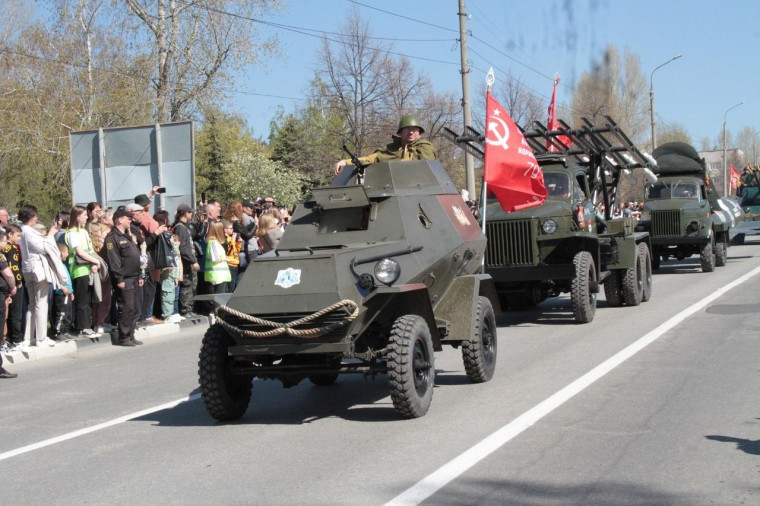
{"points": [[288, 277]]}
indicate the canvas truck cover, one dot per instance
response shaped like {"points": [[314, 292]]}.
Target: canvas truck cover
{"points": [[678, 158]]}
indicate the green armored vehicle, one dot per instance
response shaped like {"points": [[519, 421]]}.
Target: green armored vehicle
{"points": [[570, 243], [682, 211], [371, 277]]}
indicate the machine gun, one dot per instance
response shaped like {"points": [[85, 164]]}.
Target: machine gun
{"points": [[358, 166]]}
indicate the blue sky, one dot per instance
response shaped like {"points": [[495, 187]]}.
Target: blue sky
{"points": [[535, 39]]}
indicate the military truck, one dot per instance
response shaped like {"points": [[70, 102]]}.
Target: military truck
{"points": [[570, 243], [749, 201], [374, 274], [682, 212]]}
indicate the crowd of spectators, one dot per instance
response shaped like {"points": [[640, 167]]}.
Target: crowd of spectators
{"points": [[96, 271]]}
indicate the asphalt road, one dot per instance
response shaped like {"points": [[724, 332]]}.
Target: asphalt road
{"points": [[645, 405]]}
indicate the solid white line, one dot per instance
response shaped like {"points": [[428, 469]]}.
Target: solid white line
{"points": [[88, 430], [438, 479]]}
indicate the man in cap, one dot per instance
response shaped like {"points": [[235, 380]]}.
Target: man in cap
{"points": [[151, 231], [406, 145], [124, 265], [189, 261]]}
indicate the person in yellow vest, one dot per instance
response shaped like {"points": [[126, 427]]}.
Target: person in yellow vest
{"points": [[216, 271]]}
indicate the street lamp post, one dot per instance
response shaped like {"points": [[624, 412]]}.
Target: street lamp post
{"points": [[726, 176], [651, 100]]}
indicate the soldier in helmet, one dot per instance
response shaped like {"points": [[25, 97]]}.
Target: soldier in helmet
{"points": [[406, 145]]}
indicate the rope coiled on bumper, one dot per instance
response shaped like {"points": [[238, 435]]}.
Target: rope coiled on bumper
{"points": [[288, 329]]}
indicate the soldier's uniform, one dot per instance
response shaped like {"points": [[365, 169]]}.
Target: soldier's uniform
{"points": [[397, 150], [124, 264]]}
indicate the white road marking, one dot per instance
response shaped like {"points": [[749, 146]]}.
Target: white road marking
{"points": [[439, 478], [100, 426]]}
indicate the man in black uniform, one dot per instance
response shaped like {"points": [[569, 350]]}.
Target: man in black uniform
{"points": [[124, 264]]}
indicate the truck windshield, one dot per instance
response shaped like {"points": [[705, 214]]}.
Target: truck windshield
{"points": [[557, 184], [672, 190]]}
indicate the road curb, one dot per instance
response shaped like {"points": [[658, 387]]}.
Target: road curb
{"points": [[73, 346]]}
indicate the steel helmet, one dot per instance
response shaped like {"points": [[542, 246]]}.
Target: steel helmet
{"points": [[410, 120]]}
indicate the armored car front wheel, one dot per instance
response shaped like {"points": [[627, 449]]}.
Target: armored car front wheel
{"points": [[411, 367], [479, 353], [225, 396]]}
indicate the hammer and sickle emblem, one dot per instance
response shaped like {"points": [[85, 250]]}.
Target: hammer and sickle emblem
{"points": [[501, 134]]}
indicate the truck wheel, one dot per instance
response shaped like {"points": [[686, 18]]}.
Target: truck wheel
{"points": [[479, 353], [613, 289], [582, 297], [411, 367], [633, 282], [707, 255], [721, 254], [324, 380], [226, 396], [646, 266]]}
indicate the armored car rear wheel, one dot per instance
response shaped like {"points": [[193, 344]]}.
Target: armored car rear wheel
{"points": [[646, 266], [411, 368], [707, 255], [582, 295], [479, 353], [633, 281], [226, 396]]}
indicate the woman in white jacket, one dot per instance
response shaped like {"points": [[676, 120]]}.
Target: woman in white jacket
{"points": [[39, 270]]}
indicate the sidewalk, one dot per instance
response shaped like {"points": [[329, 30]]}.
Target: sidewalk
{"points": [[76, 345]]}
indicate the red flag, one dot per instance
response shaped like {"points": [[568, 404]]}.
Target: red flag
{"points": [[552, 123], [735, 178], [510, 169]]}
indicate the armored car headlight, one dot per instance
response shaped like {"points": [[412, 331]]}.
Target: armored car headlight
{"points": [[549, 226], [387, 271]]}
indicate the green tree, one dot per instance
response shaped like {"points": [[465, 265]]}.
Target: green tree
{"points": [[221, 136], [250, 174], [308, 141]]}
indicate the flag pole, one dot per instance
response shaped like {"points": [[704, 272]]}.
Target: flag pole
{"points": [[484, 186]]}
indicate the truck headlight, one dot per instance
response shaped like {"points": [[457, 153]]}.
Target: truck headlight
{"points": [[387, 271], [549, 226], [646, 215]]}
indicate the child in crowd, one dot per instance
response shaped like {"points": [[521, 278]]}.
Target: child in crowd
{"points": [[62, 302], [170, 278], [233, 245]]}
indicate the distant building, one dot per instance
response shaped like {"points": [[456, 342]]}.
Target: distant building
{"points": [[714, 163]]}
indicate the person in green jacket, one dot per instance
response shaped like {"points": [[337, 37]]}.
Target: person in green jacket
{"points": [[407, 144]]}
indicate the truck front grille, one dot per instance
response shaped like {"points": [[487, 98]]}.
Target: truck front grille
{"points": [[666, 223], [510, 242]]}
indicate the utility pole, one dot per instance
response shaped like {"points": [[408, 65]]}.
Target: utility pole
{"points": [[469, 170], [651, 100]]}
